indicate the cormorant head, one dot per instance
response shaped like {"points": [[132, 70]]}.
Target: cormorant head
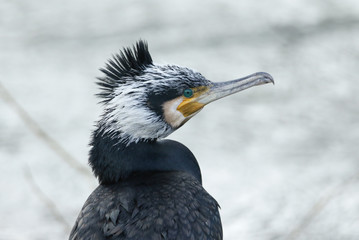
{"points": [[144, 101]]}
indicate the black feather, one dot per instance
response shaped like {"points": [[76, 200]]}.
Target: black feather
{"points": [[127, 63], [162, 205]]}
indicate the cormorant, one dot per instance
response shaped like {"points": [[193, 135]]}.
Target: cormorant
{"points": [[150, 188]]}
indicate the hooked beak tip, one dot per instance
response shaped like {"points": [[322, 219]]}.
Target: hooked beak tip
{"points": [[267, 78]]}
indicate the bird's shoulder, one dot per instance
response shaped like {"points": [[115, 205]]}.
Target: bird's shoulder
{"points": [[170, 205]]}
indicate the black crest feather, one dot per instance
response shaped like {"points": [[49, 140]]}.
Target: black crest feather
{"points": [[127, 63]]}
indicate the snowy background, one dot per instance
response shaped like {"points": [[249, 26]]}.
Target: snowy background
{"points": [[281, 160]]}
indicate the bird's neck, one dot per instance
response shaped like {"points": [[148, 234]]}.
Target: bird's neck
{"points": [[113, 161]]}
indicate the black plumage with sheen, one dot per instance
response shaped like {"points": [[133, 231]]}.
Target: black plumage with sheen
{"points": [[157, 205], [149, 188]]}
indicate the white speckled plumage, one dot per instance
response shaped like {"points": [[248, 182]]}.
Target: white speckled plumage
{"points": [[127, 114]]}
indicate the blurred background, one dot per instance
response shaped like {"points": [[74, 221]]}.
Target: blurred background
{"points": [[282, 160]]}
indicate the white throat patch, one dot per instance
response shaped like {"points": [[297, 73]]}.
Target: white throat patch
{"points": [[172, 116]]}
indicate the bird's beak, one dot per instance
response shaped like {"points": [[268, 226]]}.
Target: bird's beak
{"points": [[204, 95], [223, 89]]}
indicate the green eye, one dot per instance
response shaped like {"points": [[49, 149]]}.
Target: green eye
{"points": [[188, 93]]}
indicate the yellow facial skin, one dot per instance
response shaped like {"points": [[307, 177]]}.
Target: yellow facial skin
{"points": [[179, 110], [189, 105]]}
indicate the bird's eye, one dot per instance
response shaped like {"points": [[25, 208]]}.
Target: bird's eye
{"points": [[188, 93]]}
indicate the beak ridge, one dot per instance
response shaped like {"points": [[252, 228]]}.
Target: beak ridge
{"points": [[223, 89]]}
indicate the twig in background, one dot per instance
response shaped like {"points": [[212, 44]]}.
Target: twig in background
{"points": [[40, 133], [318, 207], [46, 200]]}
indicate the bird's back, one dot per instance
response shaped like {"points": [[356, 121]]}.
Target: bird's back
{"points": [[158, 205]]}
